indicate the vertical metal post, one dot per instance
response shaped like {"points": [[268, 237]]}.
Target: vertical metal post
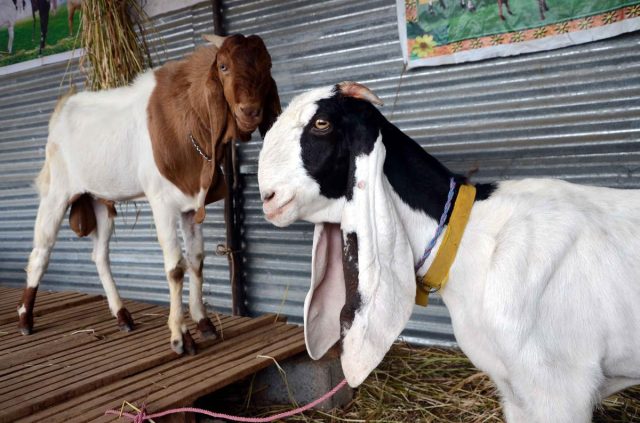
{"points": [[232, 203]]}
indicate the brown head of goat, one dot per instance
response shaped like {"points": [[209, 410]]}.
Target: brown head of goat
{"points": [[243, 66]]}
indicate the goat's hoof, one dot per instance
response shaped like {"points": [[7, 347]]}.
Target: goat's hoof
{"points": [[125, 321], [26, 330], [207, 329], [184, 345], [25, 323]]}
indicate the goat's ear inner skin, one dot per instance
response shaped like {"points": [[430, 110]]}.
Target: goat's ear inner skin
{"points": [[326, 295], [368, 303]]}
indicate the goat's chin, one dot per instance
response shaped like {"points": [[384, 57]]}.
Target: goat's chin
{"points": [[245, 126], [282, 217]]}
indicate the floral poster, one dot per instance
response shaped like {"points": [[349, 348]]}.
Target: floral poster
{"points": [[436, 32]]}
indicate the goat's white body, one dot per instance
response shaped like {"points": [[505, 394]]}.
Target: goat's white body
{"points": [[544, 294], [99, 143], [103, 140]]}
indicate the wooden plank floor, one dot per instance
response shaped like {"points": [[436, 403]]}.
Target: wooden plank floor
{"points": [[77, 364]]}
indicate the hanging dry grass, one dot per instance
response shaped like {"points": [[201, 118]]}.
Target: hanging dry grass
{"points": [[114, 52], [437, 385]]}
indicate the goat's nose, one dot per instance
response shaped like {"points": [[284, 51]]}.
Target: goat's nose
{"points": [[250, 111], [268, 196]]}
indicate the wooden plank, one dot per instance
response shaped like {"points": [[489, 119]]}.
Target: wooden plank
{"points": [[207, 378], [25, 400], [104, 326], [190, 373], [249, 333], [38, 353], [50, 325], [55, 376], [10, 302], [51, 306]]}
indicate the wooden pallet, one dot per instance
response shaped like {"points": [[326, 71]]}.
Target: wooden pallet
{"points": [[77, 364]]}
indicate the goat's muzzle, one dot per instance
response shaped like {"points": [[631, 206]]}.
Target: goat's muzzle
{"points": [[248, 116]]}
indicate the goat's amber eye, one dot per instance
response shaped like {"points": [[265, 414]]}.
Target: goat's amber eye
{"points": [[322, 124]]}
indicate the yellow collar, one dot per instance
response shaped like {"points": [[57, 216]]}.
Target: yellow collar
{"points": [[438, 273]]}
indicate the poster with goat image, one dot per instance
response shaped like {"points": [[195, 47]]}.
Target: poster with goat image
{"points": [[437, 32]]}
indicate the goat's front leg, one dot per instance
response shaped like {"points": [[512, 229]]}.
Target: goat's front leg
{"points": [[165, 218], [194, 247]]}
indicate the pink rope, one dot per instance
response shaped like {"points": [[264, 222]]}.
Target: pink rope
{"points": [[142, 416]]}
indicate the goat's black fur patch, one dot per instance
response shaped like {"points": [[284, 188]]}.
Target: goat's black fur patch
{"points": [[420, 180], [350, 266]]}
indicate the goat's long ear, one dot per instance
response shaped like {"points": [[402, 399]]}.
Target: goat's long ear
{"points": [[363, 283], [218, 118], [271, 108]]}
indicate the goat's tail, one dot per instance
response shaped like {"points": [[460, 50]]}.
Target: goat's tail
{"points": [[43, 180], [60, 103]]}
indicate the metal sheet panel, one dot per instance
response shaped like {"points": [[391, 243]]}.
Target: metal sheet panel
{"points": [[26, 101], [571, 113]]}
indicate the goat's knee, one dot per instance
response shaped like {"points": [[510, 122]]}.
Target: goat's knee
{"points": [[181, 340], [38, 262]]}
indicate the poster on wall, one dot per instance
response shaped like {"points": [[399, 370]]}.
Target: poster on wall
{"points": [[437, 32], [30, 29]]}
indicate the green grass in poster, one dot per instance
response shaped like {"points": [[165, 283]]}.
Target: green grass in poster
{"points": [[58, 39], [454, 23]]}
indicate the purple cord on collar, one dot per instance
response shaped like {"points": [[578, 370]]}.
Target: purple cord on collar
{"points": [[443, 218]]}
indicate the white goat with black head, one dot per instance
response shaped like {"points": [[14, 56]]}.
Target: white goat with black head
{"points": [[543, 293]]}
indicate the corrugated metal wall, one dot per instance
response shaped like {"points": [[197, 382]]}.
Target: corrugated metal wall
{"points": [[571, 114], [26, 101]]}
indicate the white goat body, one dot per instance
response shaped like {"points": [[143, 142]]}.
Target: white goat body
{"points": [[141, 141], [544, 292]]}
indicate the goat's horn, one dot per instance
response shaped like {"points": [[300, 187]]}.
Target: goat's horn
{"points": [[353, 89], [216, 40]]}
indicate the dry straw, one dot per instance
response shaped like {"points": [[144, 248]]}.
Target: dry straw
{"points": [[114, 51], [438, 385]]}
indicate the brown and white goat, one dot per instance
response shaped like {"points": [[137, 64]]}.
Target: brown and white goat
{"points": [[159, 138]]}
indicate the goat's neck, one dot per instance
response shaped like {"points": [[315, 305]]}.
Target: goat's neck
{"points": [[420, 185]]}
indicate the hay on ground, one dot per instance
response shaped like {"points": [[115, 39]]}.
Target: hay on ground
{"points": [[436, 385]]}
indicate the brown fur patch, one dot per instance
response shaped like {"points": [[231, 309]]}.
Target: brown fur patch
{"points": [[193, 96], [207, 329], [218, 189], [188, 99], [351, 273], [110, 205], [177, 274], [125, 321], [82, 217], [28, 301], [189, 344], [200, 267]]}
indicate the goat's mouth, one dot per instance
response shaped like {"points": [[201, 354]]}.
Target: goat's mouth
{"points": [[248, 125], [278, 215]]}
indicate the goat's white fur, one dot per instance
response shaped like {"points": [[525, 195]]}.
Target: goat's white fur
{"points": [[99, 143], [544, 292]]}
